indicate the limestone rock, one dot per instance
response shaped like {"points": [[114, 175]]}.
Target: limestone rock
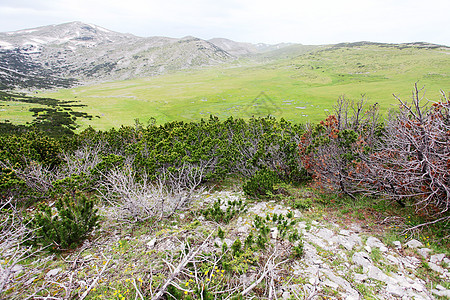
{"points": [[373, 242], [424, 252], [397, 244], [395, 290], [53, 272], [414, 244], [362, 259], [437, 258], [152, 243]]}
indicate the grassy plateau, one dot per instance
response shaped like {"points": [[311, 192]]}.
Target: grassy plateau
{"points": [[297, 86]]}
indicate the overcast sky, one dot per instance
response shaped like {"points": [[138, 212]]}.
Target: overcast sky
{"points": [[275, 21]]}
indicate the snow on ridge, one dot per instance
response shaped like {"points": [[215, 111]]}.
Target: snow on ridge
{"points": [[6, 45], [100, 28], [21, 31]]}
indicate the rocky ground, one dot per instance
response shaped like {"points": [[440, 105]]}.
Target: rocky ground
{"points": [[339, 260]]}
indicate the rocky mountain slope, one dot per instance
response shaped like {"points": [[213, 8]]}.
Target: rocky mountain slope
{"points": [[187, 256], [59, 55]]}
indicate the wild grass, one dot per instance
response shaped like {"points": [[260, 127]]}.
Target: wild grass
{"points": [[301, 89]]}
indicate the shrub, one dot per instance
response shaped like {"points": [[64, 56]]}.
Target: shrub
{"points": [[261, 184], [66, 228], [224, 214]]}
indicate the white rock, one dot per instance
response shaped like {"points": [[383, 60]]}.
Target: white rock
{"points": [[424, 252], [437, 258], [331, 284], [445, 293], [53, 272], [325, 234], [362, 259], [395, 290], [376, 273], [17, 269], [440, 287], [435, 267], [152, 243], [418, 287], [368, 249], [373, 242], [344, 232], [313, 281], [397, 244], [356, 228], [360, 277], [274, 233], [286, 295], [393, 259], [414, 244], [244, 229]]}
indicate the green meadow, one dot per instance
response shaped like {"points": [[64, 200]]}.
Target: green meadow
{"points": [[300, 88]]}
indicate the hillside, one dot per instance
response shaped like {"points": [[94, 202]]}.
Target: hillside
{"points": [[84, 53]]}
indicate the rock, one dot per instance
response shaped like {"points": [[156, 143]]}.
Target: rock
{"points": [[435, 267], [16, 269], [395, 290], [325, 234], [152, 243], [410, 262], [376, 273], [414, 244], [360, 277], [424, 252], [318, 261], [286, 295], [274, 233], [356, 228], [362, 259], [53, 272], [373, 242], [313, 281], [244, 228], [368, 249], [331, 284], [440, 287], [314, 222], [418, 287], [344, 232], [443, 293], [397, 244], [437, 258], [393, 259]]}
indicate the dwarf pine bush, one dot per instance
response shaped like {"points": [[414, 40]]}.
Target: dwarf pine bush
{"points": [[75, 217]]}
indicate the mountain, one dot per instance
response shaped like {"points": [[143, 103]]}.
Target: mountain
{"points": [[61, 55]]}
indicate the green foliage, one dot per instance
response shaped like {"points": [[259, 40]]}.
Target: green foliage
{"points": [[75, 217], [297, 251], [220, 233], [261, 184], [226, 214], [302, 203]]}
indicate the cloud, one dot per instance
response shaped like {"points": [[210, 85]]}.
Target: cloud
{"points": [[308, 22]]}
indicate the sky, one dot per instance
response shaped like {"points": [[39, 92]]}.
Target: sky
{"points": [[255, 21]]}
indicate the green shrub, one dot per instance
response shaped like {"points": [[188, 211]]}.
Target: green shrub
{"points": [[261, 184], [66, 228], [302, 203], [216, 213]]}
